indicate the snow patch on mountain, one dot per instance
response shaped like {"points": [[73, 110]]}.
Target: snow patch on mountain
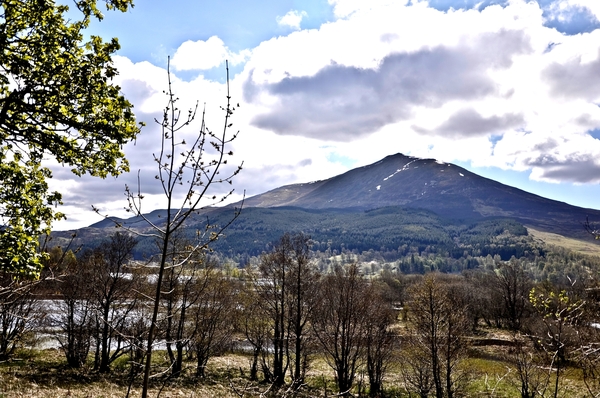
{"points": [[405, 167]]}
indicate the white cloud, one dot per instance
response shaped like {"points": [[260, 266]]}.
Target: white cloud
{"points": [[200, 55], [204, 55], [465, 74], [592, 5], [292, 19]]}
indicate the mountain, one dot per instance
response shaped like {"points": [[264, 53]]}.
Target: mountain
{"points": [[397, 205], [444, 188]]}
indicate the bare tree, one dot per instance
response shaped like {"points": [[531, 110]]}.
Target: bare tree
{"points": [[113, 287], [75, 310], [255, 325], [340, 323], [272, 287], [438, 323], [513, 285], [588, 358], [484, 298], [415, 369], [19, 313], [287, 289], [303, 282], [531, 375], [186, 174], [213, 316], [380, 341], [179, 295], [135, 332]]}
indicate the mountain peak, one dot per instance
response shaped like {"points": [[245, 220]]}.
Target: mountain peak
{"points": [[445, 188]]}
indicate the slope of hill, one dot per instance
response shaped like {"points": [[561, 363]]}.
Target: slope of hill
{"points": [[448, 190], [391, 205]]}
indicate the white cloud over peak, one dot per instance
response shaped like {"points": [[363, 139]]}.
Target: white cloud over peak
{"points": [[292, 19], [471, 76]]}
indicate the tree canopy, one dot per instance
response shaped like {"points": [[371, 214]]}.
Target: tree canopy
{"points": [[57, 101]]}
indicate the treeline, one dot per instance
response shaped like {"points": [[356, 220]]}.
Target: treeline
{"points": [[392, 231], [288, 307]]}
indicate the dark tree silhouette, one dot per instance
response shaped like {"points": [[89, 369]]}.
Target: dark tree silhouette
{"points": [[341, 322]]}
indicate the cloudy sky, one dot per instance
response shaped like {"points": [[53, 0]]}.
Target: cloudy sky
{"points": [[508, 89]]}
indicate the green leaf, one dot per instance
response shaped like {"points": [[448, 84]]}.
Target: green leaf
{"points": [[57, 100]]}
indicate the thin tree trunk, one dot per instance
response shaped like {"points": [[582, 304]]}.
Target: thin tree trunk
{"points": [[161, 272]]}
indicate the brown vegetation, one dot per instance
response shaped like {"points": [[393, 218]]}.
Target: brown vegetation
{"points": [[281, 327]]}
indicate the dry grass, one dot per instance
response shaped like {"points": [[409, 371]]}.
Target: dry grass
{"points": [[43, 374], [487, 373], [40, 374], [579, 246]]}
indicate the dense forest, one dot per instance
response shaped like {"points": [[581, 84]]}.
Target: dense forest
{"points": [[393, 232]]}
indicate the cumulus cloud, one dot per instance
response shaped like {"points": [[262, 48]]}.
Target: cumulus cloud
{"points": [[577, 169], [557, 157], [574, 78], [292, 19], [468, 122], [344, 102], [204, 55]]}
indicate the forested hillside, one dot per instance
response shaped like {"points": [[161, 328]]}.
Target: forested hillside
{"points": [[394, 232]]}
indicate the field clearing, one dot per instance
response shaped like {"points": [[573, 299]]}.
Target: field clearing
{"points": [[579, 246]]}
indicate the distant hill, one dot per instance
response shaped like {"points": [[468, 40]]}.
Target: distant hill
{"points": [[389, 206]]}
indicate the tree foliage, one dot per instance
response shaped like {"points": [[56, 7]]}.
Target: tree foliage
{"points": [[57, 100]]}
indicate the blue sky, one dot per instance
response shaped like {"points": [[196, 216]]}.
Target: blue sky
{"points": [[508, 89]]}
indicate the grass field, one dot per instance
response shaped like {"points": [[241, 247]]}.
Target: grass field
{"points": [[486, 372], [579, 246]]}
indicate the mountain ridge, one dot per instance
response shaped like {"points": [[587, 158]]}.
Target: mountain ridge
{"points": [[447, 189], [397, 201]]}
